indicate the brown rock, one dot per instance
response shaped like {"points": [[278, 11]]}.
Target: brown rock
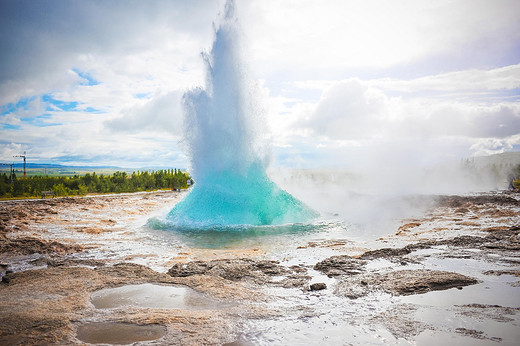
{"points": [[230, 269], [340, 265], [402, 282], [318, 286]]}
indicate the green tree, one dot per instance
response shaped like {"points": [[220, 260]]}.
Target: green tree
{"points": [[60, 190]]}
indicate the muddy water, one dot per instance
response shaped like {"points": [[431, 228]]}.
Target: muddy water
{"points": [[152, 296]]}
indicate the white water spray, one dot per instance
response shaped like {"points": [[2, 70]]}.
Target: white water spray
{"points": [[228, 159]]}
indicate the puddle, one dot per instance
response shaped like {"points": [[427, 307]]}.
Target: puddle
{"points": [[152, 296], [496, 292], [430, 337], [238, 343], [118, 333]]}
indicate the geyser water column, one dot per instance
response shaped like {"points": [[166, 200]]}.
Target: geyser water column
{"points": [[228, 156]]}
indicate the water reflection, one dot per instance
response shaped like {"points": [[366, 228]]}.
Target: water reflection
{"points": [[230, 236]]}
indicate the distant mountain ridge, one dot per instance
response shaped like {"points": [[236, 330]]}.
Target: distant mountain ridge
{"points": [[52, 165], [479, 161], [57, 169], [498, 159]]}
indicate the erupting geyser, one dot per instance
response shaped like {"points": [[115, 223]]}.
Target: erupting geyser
{"points": [[228, 160]]}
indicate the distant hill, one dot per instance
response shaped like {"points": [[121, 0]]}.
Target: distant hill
{"points": [[497, 159], [64, 170]]}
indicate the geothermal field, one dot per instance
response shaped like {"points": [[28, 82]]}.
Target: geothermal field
{"points": [[406, 252], [93, 270]]}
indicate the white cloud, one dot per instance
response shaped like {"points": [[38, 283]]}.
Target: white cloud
{"points": [[9, 150], [309, 37], [488, 146], [433, 78], [354, 118], [88, 142], [41, 42], [503, 78], [347, 110], [162, 113], [475, 104]]}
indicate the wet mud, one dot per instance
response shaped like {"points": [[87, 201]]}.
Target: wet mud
{"points": [[118, 333]]}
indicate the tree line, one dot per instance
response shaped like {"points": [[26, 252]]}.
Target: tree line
{"points": [[33, 186]]}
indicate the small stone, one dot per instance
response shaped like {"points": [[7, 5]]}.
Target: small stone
{"points": [[318, 286]]}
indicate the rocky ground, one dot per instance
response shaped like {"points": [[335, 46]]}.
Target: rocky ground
{"points": [[450, 275]]}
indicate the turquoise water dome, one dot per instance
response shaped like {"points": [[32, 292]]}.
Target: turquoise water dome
{"points": [[225, 138]]}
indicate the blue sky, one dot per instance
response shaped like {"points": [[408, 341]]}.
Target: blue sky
{"points": [[343, 83]]}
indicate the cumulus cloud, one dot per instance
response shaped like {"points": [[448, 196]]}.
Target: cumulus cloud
{"points": [[9, 150], [42, 40], [102, 60], [359, 122], [98, 80], [88, 142], [162, 114], [489, 146], [348, 110], [497, 121]]}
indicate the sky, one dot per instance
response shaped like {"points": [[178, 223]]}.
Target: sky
{"points": [[342, 83]]}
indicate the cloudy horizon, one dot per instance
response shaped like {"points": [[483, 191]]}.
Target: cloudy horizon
{"points": [[343, 84]]}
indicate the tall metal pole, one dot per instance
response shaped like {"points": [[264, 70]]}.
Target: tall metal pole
{"points": [[24, 157]]}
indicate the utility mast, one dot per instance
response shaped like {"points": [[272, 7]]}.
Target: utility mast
{"points": [[24, 157]]}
